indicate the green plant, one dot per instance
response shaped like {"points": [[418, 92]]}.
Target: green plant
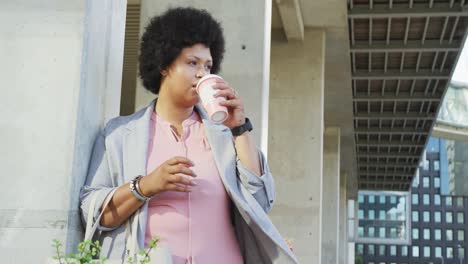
{"points": [[88, 251], [358, 260]]}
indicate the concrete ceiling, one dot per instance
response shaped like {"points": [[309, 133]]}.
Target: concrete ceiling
{"points": [[390, 62], [402, 57]]}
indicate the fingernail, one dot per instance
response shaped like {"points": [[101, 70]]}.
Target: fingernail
{"points": [[194, 183]]}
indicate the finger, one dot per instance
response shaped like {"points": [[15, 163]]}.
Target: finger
{"points": [[180, 168], [231, 103], [181, 179], [178, 188], [229, 94], [222, 86], [177, 160]]}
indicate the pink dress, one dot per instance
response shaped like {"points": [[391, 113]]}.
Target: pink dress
{"points": [[195, 226]]}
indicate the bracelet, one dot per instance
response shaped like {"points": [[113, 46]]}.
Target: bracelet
{"points": [[134, 187]]}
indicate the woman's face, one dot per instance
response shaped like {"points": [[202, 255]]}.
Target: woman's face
{"points": [[181, 77]]}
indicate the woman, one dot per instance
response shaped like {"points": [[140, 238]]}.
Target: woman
{"points": [[203, 188]]}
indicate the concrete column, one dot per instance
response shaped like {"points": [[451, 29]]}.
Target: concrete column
{"points": [[246, 26], [296, 139], [331, 196], [61, 69], [343, 245]]}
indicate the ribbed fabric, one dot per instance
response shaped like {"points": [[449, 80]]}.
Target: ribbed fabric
{"points": [[195, 226]]}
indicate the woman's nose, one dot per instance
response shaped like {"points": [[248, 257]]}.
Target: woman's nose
{"points": [[201, 72]]}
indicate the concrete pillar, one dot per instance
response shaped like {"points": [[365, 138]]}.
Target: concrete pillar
{"points": [[343, 245], [331, 196], [60, 69], [296, 139], [246, 61]]}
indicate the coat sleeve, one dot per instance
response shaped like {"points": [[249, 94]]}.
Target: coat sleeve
{"points": [[98, 181], [263, 187]]}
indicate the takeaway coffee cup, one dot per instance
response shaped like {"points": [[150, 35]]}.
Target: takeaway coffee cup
{"points": [[206, 91]]}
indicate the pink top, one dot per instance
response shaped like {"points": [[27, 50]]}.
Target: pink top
{"points": [[195, 226]]}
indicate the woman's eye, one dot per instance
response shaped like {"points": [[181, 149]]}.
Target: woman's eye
{"points": [[208, 67], [192, 62]]}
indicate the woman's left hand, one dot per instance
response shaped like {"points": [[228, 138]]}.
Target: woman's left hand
{"points": [[233, 102]]}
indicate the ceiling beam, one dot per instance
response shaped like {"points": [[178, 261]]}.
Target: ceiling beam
{"points": [[387, 155], [388, 164], [395, 98], [402, 10], [411, 46], [390, 143], [291, 16], [377, 130], [398, 115], [397, 75]]}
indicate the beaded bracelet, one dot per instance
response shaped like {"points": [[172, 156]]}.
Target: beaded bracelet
{"points": [[135, 188]]}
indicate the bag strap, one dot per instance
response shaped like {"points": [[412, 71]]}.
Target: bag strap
{"points": [[132, 238], [91, 226]]}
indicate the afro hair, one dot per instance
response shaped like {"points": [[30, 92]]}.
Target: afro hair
{"points": [[167, 34]]}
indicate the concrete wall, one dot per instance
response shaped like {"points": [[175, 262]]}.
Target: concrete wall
{"points": [[331, 196], [296, 126], [244, 62], [60, 72]]}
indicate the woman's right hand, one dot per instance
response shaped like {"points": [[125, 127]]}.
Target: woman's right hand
{"points": [[173, 175]]}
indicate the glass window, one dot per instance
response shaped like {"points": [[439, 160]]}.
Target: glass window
{"points": [[360, 249], [437, 216], [382, 250], [426, 217], [425, 164], [436, 165], [414, 198], [371, 199], [360, 231], [437, 199], [382, 215], [438, 252], [427, 251], [448, 201], [371, 214], [449, 253], [448, 217], [360, 214], [427, 234], [461, 235], [371, 232], [426, 200], [415, 216], [415, 183], [361, 198], [460, 201], [425, 182], [393, 232], [404, 251], [449, 236], [392, 250], [415, 251], [382, 199], [393, 199], [382, 232], [415, 233], [460, 218], [437, 234], [371, 250], [436, 182], [461, 252]]}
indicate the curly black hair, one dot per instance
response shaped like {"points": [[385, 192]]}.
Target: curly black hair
{"points": [[167, 34]]}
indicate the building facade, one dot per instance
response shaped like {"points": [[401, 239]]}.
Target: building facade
{"points": [[437, 226]]}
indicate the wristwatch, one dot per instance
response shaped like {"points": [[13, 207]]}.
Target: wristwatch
{"points": [[247, 126]]}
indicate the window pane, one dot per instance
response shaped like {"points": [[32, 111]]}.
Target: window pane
{"points": [[461, 235], [371, 215], [460, 218], [426, 217], [448, 201], [426, 200], [360, 214], [382, 199], [436, 165], [414, 198], [437, 217], [448, 217], [371, 232], [427, 251], [437, 234], [427, 234], [371, 199], [437, 199], [393, 199], [461, 252], [460, 201], [382, 232], [415, 233], [449, 236], [359, 249], [393, 251], [449, 252], [415, 251], [436, 182], [425, 182], [382, 250], [404, 251], [382, 215], [371, 250], [415, 216], [438, 252], [361, 198]]}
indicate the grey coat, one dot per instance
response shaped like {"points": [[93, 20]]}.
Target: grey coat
{"points": [[120, 153]]}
